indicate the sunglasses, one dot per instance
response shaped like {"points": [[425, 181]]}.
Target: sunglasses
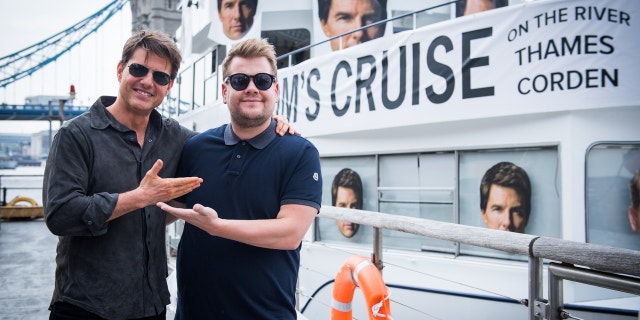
{"points": [[137, 70], [240, 81]]}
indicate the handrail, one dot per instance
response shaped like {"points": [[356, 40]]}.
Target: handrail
{"points": [[286, 55], [598, 257], [609, 267]]}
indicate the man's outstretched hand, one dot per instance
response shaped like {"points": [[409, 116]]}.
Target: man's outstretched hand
{"points": [[156, 189]]}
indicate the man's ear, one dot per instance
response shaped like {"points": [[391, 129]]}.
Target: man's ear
{"points": [[120, 69], [484, 216], [633, 218], [325, 29], [224, 92]]}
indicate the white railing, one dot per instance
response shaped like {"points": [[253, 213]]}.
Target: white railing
{"points": [[597, 265]]}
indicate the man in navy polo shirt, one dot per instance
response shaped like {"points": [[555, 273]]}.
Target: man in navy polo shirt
{"points": [[239, 253]]}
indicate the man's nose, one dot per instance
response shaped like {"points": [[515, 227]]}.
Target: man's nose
{"points": [[237, 13], [508, 221]]}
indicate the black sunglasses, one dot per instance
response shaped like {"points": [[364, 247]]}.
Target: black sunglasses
{"points": [[137, 70], [240, 81]]}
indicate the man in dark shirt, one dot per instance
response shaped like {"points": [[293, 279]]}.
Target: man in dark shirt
{"points": [[111, 256], [106, 171], [241, 260]]}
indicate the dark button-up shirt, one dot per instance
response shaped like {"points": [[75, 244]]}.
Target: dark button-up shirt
{"points": [[115, 269]]}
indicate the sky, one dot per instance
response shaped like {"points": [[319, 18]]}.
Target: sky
{"points": [[90, 67]]}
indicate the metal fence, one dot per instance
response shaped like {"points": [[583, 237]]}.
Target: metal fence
{"points": [[597, 265]]}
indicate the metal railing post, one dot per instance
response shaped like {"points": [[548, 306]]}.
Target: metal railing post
{"points": [[555, 295], [376, 255], [535, 303]]}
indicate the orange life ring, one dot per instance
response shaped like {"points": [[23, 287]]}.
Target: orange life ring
{"points": [[358, 271]]}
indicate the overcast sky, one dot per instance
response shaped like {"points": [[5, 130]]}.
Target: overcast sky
{"points": [[91, 67]]}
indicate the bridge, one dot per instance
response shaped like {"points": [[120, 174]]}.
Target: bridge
{"points": [[40, 112], [75, 55], [17, 70]]}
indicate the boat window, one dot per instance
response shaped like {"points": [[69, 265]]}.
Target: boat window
{"points": [[360, 175], [422, 186], [611, 212], [418, 20], [509, 169], [286, 41], [445, 186]]}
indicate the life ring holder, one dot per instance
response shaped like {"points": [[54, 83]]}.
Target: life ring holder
{"points": [[358, 271], [19, 199]]}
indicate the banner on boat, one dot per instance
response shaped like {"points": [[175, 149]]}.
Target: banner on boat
{"points": [[538, 57]]}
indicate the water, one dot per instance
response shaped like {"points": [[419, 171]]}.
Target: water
{"points": [[23, 182]]}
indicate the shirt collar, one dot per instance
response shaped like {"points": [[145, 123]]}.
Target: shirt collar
{"points": [[259, 142], [101, 118]]}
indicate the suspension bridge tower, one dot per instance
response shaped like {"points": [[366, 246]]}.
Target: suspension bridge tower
{"points": [[160, 15]]}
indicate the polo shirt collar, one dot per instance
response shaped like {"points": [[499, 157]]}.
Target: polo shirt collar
{"points": [[101, 118], [259, 142]]}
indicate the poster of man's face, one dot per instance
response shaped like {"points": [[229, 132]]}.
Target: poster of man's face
{"points": [[233, 20], [505, 197], [339, 16]]}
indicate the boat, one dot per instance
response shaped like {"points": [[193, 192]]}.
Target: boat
{"points": [[21, 208], [30, 162], [423, 112]]}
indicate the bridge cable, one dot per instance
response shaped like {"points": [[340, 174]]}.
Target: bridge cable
{"points": [[25, 62]]}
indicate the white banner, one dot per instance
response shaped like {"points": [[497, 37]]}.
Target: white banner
{"points": [[544, 56]]}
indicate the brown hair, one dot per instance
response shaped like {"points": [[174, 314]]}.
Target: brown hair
{"points": [[154, 42], [251, 48], [253, 4], [349, 179]]}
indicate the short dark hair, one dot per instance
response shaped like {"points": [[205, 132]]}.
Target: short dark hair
{"points": [[509, 175], [350, 179], [323, 9], [325, 5], [155, 42]]}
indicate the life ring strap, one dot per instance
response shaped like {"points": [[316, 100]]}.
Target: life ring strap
{"points": [[340, 306], [359, 272], [363, 264]]}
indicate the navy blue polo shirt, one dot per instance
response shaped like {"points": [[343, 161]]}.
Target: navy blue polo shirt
{"points": [[224, 279]]}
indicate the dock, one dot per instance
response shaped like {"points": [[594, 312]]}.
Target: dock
{"points": [[27, 269]]}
